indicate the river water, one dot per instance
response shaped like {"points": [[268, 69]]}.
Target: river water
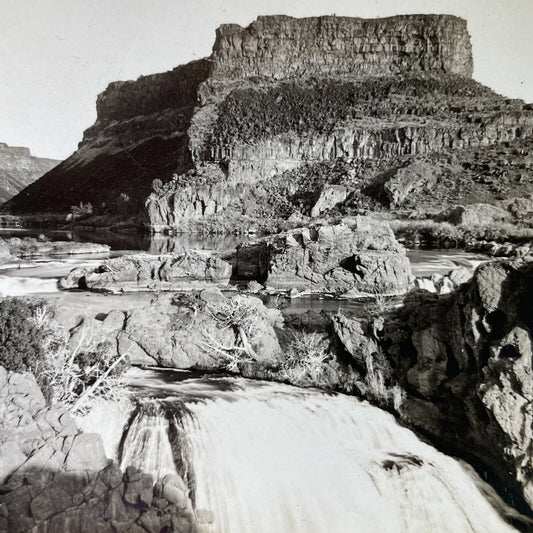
{"points": [[266, 457]]}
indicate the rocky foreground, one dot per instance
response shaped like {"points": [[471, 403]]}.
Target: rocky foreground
{"points": [[456, 366], [54, 478]]}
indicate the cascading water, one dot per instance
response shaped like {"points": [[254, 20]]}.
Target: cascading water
{"points": [[268, 457]]}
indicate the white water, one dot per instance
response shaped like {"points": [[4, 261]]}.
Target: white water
{"points": [[271, 458], [21, 286]]}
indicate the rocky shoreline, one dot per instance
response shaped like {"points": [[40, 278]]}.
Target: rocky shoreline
{"points": [[453, 361]]}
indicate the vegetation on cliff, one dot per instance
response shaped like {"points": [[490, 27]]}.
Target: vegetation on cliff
{"points": [[320, 105]]}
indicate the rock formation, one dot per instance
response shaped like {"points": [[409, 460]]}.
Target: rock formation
{"points": [[18, 169], [357, 257], [214, 141], [465, 360], [55, 478], [30, 247], [187, 331], [138, 272]]}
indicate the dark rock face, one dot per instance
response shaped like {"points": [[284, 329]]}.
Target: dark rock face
{"points": [[18, 169], [213, 135], [149, 272], [363, 257], [465, 360], [55, 478]]}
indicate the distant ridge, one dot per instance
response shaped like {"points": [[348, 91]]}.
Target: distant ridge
{"points": [[18, 169]]}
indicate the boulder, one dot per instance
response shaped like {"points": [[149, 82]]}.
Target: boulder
{"points": [[329, 197], [181, 332], [358, 256], [192, 269], [416, 176], [86, 453], [474, 215]]}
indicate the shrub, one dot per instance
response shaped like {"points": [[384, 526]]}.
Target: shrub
{"points": [[242, 318], [20, 340], [377, 383], [82, 210], [74, 374], [306, 357]]}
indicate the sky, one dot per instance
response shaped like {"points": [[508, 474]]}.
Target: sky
{"points": [[57, 55]]}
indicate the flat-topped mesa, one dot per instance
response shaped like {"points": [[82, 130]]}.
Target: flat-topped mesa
{"points": [[282, 47], [211, 140]]}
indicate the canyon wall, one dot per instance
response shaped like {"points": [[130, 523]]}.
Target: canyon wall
{"points": [[279, 94]]}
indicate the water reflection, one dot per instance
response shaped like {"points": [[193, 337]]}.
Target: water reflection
{"points": [[154, 244]]}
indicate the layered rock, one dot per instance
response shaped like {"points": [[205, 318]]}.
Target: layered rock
{"points": [[342, 45], [465, 360], [282, 93], [53, 477], [359, 257], [139, 272], [18, 169]]}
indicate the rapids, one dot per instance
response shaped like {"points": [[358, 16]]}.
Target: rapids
{"points": [[266, 457]]}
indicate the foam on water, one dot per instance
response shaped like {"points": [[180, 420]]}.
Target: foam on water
{"points": [[267, 457], [22, 286]]}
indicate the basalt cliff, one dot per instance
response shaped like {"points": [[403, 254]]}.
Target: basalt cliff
{"points": [[18, 169], [295, 117]]}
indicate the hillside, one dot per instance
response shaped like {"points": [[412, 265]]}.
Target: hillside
{"points": [[285, 106], [18, 169]]}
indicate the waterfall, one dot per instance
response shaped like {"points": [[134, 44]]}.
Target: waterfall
{"points": [[268, 457]]}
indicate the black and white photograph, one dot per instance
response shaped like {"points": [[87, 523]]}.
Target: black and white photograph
{"points": [[266, 266]]}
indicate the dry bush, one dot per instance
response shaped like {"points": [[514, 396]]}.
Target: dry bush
{"points": [[306, 357], [74, 374], [375, 384], [243, 319]]}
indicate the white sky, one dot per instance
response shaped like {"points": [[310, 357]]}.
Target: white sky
{"points": [[57, 55]]}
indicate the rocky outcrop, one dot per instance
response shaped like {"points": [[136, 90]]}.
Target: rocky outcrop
{"points": [[358, 257], [32, 248], [330, 196], [207, 140], [281, 47], [188, 331], [18, 169], [413, 177], [53, 477], [140, 272], [475, 215], [465, 360]]}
